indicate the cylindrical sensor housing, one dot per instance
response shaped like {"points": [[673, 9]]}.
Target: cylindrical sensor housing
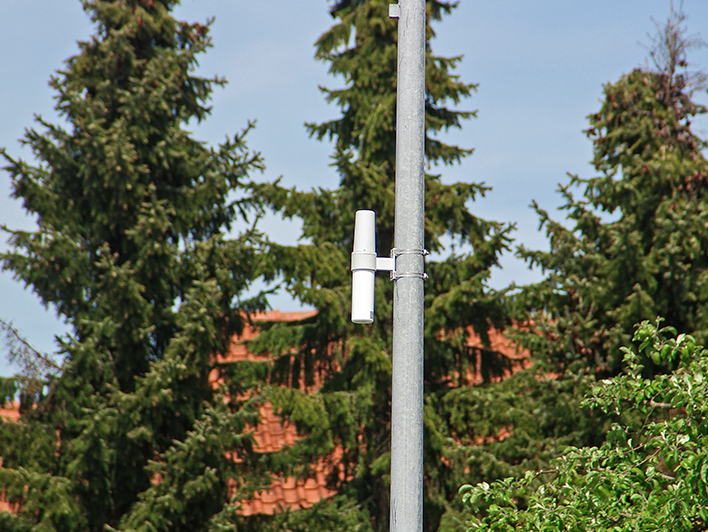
{"points": [[364, 267]]}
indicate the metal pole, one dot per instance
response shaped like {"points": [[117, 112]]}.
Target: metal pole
{"points": [[406, 513]]}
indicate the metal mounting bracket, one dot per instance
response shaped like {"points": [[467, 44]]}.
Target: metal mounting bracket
{"points": [[395, 252]]}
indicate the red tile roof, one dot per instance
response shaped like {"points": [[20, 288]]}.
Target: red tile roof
{"points": [[272, 435], [12, 413], [9, 412], [520, 358]]}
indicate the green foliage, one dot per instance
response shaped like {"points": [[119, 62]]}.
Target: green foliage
{"points": [[8, 390], [521, 423], [650, 474], [345, 369], [132, 213], [646, 260], [338, 513], [628, 250]]}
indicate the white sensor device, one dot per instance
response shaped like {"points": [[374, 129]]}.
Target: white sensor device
{"points": [[365, 264], [364, 267]]}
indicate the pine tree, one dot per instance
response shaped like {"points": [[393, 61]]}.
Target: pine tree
{"points": [[331, 378], [131, 250]]}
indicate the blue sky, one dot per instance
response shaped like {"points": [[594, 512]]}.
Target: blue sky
{"points": [[540, 68]]}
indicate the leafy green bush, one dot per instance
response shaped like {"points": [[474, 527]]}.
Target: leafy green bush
{"points": [[650, 474]]}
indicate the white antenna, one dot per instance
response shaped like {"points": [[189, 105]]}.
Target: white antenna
{"points": [[365, 263]]}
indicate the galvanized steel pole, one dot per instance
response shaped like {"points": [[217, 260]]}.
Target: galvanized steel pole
{"points": [[406, 513]]}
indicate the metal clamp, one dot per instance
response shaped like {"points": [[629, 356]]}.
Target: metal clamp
{"points": [[367, 260], [395, 252]]}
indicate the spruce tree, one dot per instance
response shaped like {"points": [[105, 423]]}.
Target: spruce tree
{"points": [[331, 378], [131, 250], [629, 250], [604, 276]]}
